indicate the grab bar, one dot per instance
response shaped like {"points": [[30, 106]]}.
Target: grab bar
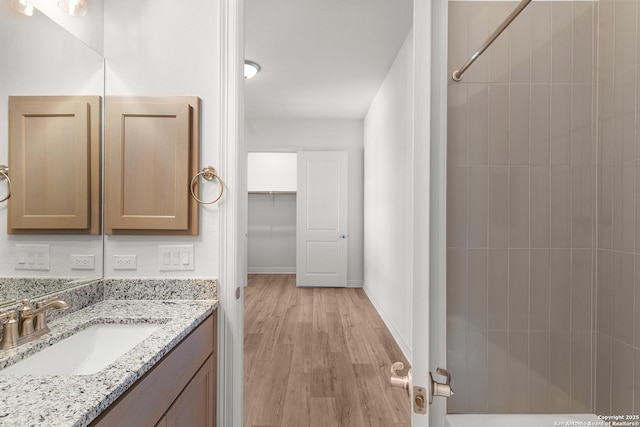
{"points": [[457, 75]]}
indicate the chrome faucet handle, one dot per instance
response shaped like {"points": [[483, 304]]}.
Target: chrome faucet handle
{"points": [[9, 331]]}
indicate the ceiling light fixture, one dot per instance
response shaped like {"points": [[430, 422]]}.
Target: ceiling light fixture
{"points": [[74, 7], [250, 69], [22, 6]]}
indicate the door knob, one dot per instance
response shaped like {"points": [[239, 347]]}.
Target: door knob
{"points": [[404, 382], [440, 389]]}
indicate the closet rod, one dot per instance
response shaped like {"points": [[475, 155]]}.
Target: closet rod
{"points": [[457, 75]]}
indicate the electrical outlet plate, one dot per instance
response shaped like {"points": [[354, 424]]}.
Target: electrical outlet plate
{"points": [[125, 262], [32, 257], [82, 262], [175, 257]]}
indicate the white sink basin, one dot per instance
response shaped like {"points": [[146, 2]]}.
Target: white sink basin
{"points": [[86, 352]]}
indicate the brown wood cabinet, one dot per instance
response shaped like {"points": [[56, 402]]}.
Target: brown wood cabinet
{"points": [[180, 390], [151, 153], [54, 164]]}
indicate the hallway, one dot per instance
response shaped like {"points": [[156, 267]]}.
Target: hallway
{"points": [[317, 357]]}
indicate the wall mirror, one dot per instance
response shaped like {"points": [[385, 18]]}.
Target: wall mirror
{"points": [[41, 58]]}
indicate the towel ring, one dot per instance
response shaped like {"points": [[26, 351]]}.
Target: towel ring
{"points": [[4, 174], [208, 173]]}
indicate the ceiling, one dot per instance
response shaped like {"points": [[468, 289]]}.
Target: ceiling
{"points": [[321, 59]]}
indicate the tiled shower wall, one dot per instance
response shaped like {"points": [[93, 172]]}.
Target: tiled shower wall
{"points": [[522, 208], [618, 280]]}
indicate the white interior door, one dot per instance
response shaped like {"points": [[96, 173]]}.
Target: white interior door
{"points": [[321, 220]]}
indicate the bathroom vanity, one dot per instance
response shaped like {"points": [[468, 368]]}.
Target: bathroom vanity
{"points": [[168, 378]]}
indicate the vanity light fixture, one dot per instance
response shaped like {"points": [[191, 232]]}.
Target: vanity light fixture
{"points": [[22, 6], [250, 69], [74, 7]]}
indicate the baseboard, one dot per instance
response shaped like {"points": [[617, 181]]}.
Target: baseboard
{"points": [[354, 283], [271, 270], [404, 346]]}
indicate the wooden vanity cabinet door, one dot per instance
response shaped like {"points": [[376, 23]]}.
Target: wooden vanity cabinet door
{"points": [[150, 145], [195, 407], [54, 164]]}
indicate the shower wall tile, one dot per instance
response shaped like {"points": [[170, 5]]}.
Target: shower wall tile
{"points": [[539, 372], [519, 124], [519, 207], [561, 41], [624, 54], [498, 363], [541, 43], [603, 374], [478, 29], [560, 372], [560, 267], [605, 207], [498, 207], [560, 207], [457, 130], [624, 143], [606, 14], [477, 362], [457, 206], [636, 310], [582, 207], [478, 205], [604, 291], [456, 288], [519, 48], [539, 290], [581, 382], [518, 289], [623, 285], [560, 145], [605, 120], [498, 124], [623, 220], [583, 39], [499, 58], [478, 125], [477, 289], [581, 124], [457, 363], [457, 37], [518, 372], [540, 124], [539, 205], [622, 360], [498, 289], [581, 284]]}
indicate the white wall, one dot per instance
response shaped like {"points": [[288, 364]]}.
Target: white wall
{"points": [[164, 48], [294, 135], [40, 58], [388, 195], [89, 28]]}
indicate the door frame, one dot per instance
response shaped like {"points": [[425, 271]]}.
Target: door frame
{"points": [[430, 44]]}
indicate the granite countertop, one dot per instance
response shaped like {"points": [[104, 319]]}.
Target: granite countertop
{"points": [[75, 400]]}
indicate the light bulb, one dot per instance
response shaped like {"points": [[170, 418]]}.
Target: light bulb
{"points": [[74, 7], [22, 6]]}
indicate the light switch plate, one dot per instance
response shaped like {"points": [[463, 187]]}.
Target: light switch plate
{"points": [[175, 257], [32, 257]]}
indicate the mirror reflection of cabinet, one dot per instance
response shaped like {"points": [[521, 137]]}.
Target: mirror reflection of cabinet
{"points": [[54, 164], [151, 153]]}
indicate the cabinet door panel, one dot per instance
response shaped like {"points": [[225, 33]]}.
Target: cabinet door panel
{"points": [[53, 148], [149, 162], [195, 405]]}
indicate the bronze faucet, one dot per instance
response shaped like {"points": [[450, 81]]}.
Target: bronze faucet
{"points": [[31, 323]]}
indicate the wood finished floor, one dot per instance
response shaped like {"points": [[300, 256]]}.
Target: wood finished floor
{"points": [[317, 357]]}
